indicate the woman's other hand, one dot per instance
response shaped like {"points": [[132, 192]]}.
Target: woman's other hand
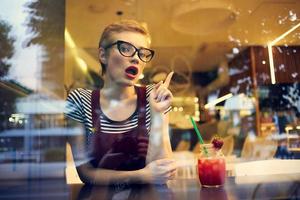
{"points": [[159, 171], [161, 97]]}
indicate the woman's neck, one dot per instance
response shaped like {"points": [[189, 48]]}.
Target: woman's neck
{"points": [[113, 90]]}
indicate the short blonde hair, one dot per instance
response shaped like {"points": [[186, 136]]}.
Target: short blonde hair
{"points": [[118, 27]]}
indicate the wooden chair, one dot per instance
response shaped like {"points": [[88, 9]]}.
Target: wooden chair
{"points": [[183, 145], [259, 148], [228, 145], [71, 174]]}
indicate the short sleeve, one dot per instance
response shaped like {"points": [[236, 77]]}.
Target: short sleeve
{"points": [[73, 108]]}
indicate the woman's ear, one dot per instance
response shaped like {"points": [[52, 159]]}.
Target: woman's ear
{"points": [[102, 55]]}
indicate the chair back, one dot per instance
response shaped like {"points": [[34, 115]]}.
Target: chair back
{"points": [[259, 148], [72, 176], [228, 145]]}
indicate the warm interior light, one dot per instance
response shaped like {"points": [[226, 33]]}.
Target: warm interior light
{"points": [[288, 128], [82, 64], [69, 39], [271, 61], [272, 43], [79, 60]]}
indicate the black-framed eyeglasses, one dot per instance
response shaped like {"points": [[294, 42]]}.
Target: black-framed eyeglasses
{"points": [[128, 50]]}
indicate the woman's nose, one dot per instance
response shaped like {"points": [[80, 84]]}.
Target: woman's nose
{"points": [[135, 58]]}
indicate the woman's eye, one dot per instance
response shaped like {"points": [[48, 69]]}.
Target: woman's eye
{"points": [[143, 55], [125, 49]]}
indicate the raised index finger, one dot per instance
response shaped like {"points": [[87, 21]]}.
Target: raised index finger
{"points": [[168, 79]]}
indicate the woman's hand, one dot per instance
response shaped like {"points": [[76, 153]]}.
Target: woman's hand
{"points": [[161, 97], [159, 171]]}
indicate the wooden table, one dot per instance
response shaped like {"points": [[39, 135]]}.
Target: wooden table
{"points": [[190, 189], [180, 189]]}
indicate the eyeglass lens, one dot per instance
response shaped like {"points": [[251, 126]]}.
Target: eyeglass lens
{"points": [[128, 50]]}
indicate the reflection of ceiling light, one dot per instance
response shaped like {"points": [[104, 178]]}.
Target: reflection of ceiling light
{"points": [[235, 50], [218, 100], [292, 16], [202, 17]]}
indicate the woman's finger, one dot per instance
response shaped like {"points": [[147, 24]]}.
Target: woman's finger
{"points": [[167, 95], [157, 85], [162, 91], [168, 79], [156, 89]]}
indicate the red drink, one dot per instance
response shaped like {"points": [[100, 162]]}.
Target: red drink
{"points": [[211, 168]]}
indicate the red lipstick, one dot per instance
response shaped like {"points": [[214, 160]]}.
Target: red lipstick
{"points": [[131, 72]]}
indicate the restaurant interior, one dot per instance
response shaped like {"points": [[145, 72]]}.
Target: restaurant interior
{"points": [[236, 71]]}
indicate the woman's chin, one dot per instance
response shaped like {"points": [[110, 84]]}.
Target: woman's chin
{"points": [[129, 83]]}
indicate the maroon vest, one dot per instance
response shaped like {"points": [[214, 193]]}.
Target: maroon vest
{"points": [[124, 151]]}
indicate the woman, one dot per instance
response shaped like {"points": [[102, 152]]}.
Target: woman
{"points": [[127, 126]]}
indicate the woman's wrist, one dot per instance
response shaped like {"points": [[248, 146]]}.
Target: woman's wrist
{"points": [[140, 176], [156, 116]]}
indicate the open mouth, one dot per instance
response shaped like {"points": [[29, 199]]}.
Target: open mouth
{"points": [[131, 71]]}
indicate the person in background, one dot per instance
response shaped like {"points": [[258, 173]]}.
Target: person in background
{"points": [[282, 121], [210, 77], [126, 137], [210, 81]]}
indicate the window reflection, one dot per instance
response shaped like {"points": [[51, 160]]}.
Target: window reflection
{"points": [[50, 52], [33, 133]]}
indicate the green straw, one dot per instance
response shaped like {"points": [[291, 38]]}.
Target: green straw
{"points": [[199, 135]]}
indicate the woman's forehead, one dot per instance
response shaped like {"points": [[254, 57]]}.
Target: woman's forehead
{"points": [[135, 38]]}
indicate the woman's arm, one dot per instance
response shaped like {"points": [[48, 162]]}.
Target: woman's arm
{"points": [[159, 146], [158, 171], [98, 176]]}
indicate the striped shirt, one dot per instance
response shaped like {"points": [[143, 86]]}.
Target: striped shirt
{"points": [[79, 108]]}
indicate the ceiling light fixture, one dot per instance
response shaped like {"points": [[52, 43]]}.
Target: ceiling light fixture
{"points": [[202, 17]]}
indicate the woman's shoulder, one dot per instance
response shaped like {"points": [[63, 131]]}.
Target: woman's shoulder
{"points": [[80, 97], [79, 92], [82, 91], [78, 105]]}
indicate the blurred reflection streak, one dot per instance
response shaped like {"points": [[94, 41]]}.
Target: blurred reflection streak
{"points": [[213, 193], [124, 191], [292, 191]]}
